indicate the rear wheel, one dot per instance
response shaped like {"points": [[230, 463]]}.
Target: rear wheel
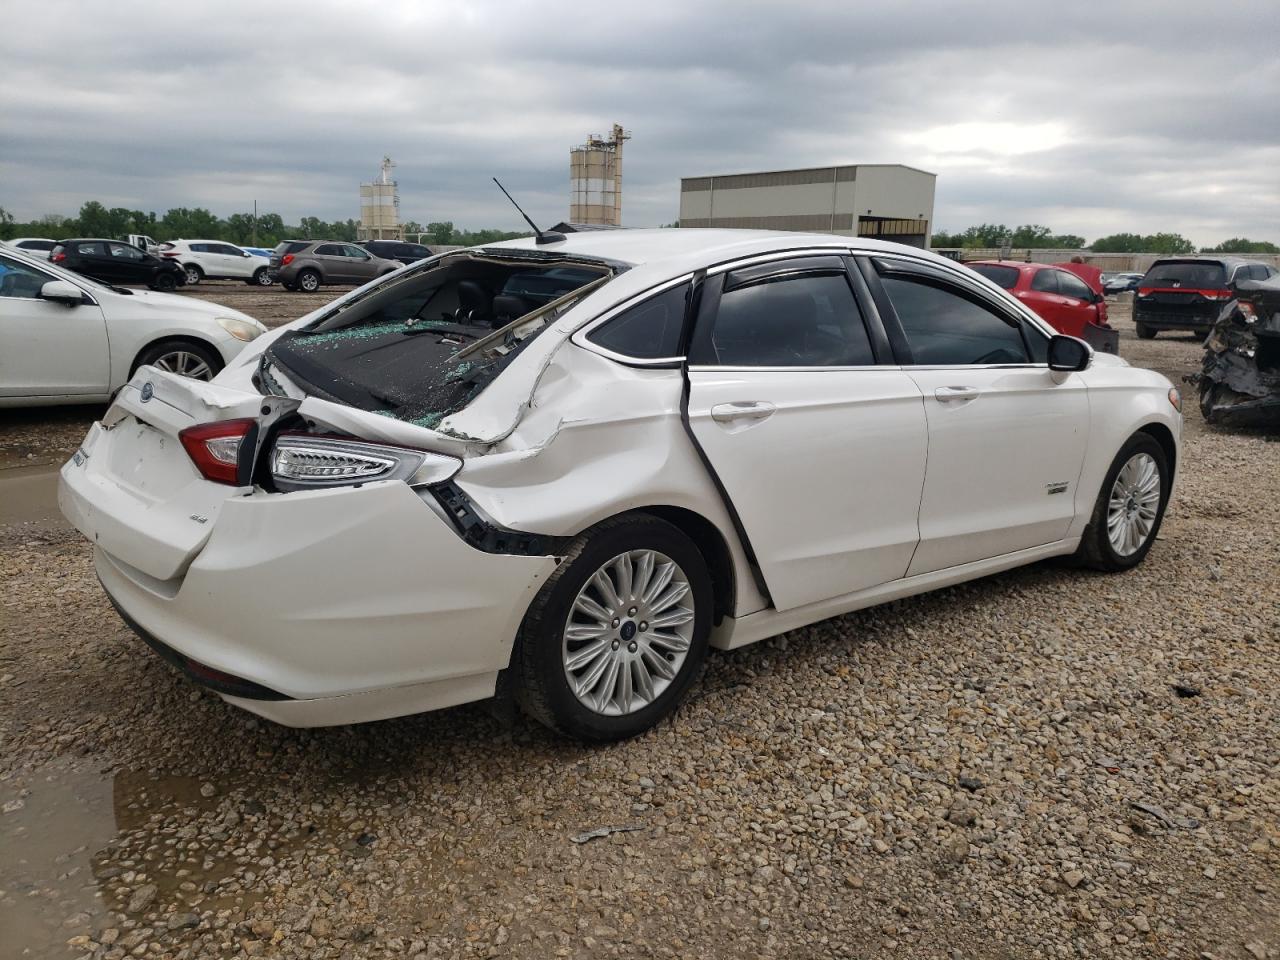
{"points": [[616, 636], [182, 357], [194, 274], [1130, 507], [309, 281], [1145, 332], [261, 277]]}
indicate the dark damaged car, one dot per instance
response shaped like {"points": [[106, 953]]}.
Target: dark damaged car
{"points": [[1187, 293], [1240, 380]]}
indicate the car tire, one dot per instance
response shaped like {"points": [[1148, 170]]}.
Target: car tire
{"points": [[261, 278], [182, 357], [1115, 508], [194, 274], [659, 666], [1145, 332], [164, 281], [308, 281]]}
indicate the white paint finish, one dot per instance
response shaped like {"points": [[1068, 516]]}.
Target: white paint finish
{"points": [[828, 484], [893, 191], [564, 438], [333, 592], [106, 337], [991, 459], [732, 634]]}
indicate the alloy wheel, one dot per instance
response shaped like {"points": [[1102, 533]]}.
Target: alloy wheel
{"points": [[309, 282], [1133, 504], [193, 276], [185, 364], [628, 632]]}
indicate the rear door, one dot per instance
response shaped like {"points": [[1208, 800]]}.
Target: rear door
{"points": [[819, 447], [1007, 435], [91, 258], [1081, 305], [47, 348]]}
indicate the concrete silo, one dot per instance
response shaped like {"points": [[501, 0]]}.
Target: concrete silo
{"points": [[380, 207], [595, 179]]}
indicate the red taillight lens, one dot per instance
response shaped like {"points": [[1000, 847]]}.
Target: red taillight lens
{"points": [[169, 253], [286, 259], [59, 257], [1145, 291], [215, 448]]}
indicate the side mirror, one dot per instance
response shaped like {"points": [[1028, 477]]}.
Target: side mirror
{"points": [[61, 291], [245, 253], [1069, 354]]}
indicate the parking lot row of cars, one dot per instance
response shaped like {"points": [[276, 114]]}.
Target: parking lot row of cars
{"points": [[297, 264]]}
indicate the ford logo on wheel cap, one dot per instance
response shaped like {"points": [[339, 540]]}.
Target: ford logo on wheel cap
{"points": [[148, 391]]}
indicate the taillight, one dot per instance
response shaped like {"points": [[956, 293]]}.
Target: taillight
{"points": [[169, 253], [58, 257], [1216, 294], [1145, 291], [286, 259], [304, 462], [215, 448]]}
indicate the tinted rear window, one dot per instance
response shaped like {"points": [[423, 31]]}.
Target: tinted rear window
{"points": [[1006, 277], [1185, 275], [291, 246]]}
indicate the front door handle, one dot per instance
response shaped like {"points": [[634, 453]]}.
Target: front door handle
{"points": [[742, 410], [948, 394]]}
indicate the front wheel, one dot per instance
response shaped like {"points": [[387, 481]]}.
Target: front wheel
{"points": [[165, 282], [618, 633], [1130, 507], [182, 357]]}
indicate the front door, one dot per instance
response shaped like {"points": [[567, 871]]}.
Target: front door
{"points": [[129, 263], [47, 348], [1007, 435], [821, 451]]}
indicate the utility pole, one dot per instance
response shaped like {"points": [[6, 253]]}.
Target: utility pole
{"points": [[255, 223]]}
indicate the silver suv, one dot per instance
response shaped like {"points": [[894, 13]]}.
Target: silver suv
{"points": [[307, 264]]}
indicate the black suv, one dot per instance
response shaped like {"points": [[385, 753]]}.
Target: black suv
{"points": [[398, 250], [114, 261], [1188, 293]]}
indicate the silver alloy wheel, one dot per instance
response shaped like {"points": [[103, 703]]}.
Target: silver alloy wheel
{"points": [[184, 363], [193, 276], [309, 282], [628, 632], [1133, 504], [263, 277]]}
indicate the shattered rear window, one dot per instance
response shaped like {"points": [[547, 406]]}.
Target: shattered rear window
{"points": [[423, 346]]}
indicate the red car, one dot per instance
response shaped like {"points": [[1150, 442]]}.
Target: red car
{"points": [[1066, 301]]}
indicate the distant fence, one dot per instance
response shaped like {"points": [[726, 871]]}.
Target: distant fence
{"points": [[1107, 262]]}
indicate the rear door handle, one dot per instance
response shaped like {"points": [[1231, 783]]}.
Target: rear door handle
{"points": [[742, 410], [948, 394]]}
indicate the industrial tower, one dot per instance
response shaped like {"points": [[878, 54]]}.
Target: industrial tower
{"points": [[595, 179]]}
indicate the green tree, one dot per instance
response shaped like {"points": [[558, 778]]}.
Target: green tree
{"points": [[439, 232], [1234, 245], [6, 225], [1169, 243], [95, 220]]}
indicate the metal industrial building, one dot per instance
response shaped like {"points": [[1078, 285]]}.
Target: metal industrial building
{"points": [[886, 201]]}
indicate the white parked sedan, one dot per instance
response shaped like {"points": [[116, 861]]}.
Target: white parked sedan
{"points": [[565, 469], [65, 338]]}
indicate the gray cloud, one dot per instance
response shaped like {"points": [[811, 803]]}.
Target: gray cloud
{"points": [[1152, 116]]}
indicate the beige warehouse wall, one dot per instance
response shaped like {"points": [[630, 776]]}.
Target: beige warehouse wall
{"points": [[892, 192]]}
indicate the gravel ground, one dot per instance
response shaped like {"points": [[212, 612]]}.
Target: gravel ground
{"points": [[1045, 763]]}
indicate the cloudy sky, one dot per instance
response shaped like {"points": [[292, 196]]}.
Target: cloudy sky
{"points": [[1089, 117]]}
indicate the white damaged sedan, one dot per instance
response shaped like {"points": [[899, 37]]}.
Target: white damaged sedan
{"points": [[565, 468]]}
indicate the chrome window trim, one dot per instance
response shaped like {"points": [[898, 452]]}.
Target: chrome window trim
{"points": [[579, 336], [836, 249]]}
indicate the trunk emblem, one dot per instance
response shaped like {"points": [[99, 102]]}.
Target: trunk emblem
{"points": [[148, 391]]}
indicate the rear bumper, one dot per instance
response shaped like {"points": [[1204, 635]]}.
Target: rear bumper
{"points": [[1164, 319], [333, 607]]}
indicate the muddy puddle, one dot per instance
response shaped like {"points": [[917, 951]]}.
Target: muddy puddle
{"points": [[29, 495], [79, 848]]}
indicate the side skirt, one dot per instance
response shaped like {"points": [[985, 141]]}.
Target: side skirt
{"points": [[741, 631]]}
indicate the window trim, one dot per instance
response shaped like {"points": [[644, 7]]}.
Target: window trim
{"points": [[580, 336], [932, 276], [48, 278]]}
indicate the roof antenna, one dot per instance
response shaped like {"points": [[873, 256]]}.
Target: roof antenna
{"points": [[542, 236]]}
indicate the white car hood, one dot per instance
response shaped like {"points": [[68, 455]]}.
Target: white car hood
{"points": [[161, 303]]}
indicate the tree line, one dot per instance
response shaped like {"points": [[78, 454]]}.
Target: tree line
{"points": [[266, 230], [1038, 237]]}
